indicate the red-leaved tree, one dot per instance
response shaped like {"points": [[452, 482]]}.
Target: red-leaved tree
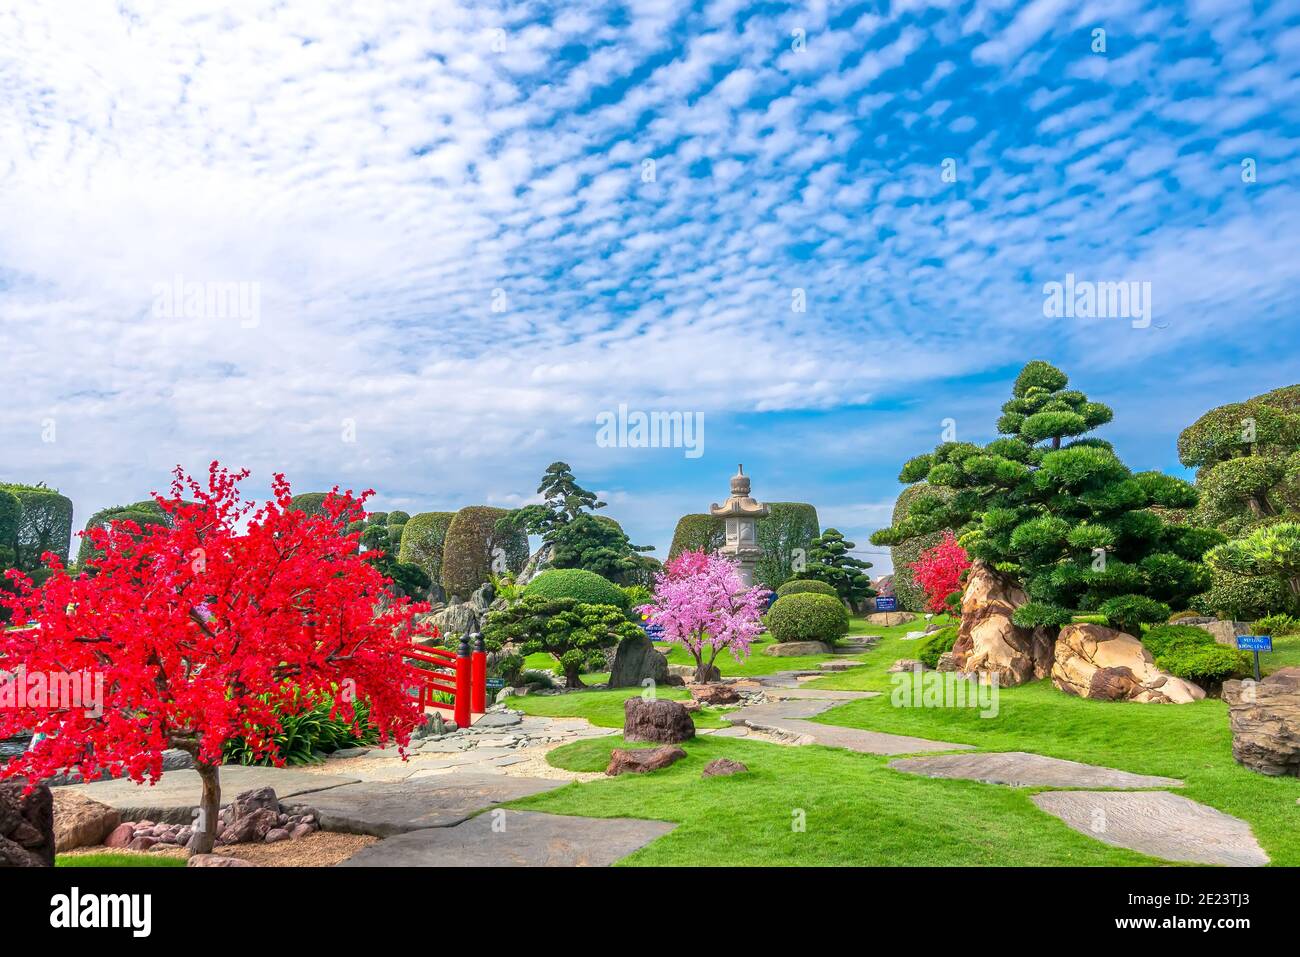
{"points": [[938, 571], [202, 630]]}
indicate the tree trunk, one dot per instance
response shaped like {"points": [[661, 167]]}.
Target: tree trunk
{"points": [[573, 678], [205, 828]]}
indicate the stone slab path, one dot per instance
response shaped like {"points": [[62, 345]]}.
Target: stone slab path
{"points": [[1020, 769], [176, 796], [395, 807], [788, 719], [503, 838], [1157, 823]]}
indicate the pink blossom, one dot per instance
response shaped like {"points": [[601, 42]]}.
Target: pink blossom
{"points": [[701, 604]]}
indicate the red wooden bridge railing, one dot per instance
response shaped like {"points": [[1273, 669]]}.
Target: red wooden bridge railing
{"points": [[461, 675]]}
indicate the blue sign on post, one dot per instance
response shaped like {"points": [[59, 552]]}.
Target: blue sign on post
{"points": [[886, 603], [1255, 643]]}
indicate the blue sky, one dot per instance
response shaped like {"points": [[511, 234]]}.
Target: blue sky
{"points": [[473, 228]]}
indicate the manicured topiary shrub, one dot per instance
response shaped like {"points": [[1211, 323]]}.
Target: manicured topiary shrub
{"points": [[910, 595], [1241, 598], [11, 513], [142, 513], [470, 547], [579, 584], [313, 503], [807, 616], [44, 524], [930, 649], [788, 528], [697, 533], [398, 518], [1192, 654], [797, 585]]}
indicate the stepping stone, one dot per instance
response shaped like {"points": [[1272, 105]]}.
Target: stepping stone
{"points": [[499, 719], [839, 665], [436, 801], [788, 718], [1020, 769], [176, 796], [817, 694], [515, 839], [1159, 824]]}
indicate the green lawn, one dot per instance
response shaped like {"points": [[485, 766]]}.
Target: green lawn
{"points": [[604, 707], [859, 812], [117, 860]]}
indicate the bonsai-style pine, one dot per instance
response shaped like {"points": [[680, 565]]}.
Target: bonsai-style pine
{"points": [[572, 632], [829, 561], [202, 631], [1066, 519]]}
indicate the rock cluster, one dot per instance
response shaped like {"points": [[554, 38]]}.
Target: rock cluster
{"points": [[26, 825], [1265, 719], [1092, 661], [255, 817], [660, 721], [988, 642]]}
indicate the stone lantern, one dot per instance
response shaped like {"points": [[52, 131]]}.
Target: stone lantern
{"points": [[741, 513]]}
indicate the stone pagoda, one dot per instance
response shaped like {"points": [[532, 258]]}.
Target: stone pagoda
{"points": [[742, 514]]}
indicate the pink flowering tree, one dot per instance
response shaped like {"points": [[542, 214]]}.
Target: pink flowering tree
{"points": [[701, 604]]}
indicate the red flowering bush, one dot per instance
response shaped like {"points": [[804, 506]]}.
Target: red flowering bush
{"points": [[203, 630], [939, 572]]}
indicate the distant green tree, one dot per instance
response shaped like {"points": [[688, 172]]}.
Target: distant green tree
{"points": [[788, 529], [829, 561], [573, 633], [44, 525]]}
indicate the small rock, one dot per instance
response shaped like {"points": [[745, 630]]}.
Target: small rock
{"points": [[301, 831], [121, 836], [276, 835], [141, 843], [906, 664], [642, 760], [216, 860], [722, 767]]}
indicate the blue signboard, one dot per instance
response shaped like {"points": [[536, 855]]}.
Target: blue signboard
{"points": [[1255, 642], [886, 603]]}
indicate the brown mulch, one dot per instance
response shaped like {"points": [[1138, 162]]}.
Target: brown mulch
{"points": [[319, 849]]}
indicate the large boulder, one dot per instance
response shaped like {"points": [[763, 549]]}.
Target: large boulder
{"points": [[797, 649], [26, 825], [642, 760], [1224, 632], [635, 661], [988, 642], [891, 617], [1265, 719], [458, 618], [660, 721], [722, 767], [1093, 661], [715, 694], [80, 821]]}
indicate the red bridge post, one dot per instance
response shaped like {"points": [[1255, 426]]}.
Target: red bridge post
{"points": [[478, 676], [462, 712]]}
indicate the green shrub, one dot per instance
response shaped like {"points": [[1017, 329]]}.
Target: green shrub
{"points": [[1128, 613], [422, 542], [1243, 599], [1192, 654], [697, 533], [578, 584], [313, 503], [788, 527], [470, 547], [796, 586], [398, 517], [930, 648], [308, 734], [807, 616], [1184, 614], [1280, 624], [636, 595], [142, 513]]}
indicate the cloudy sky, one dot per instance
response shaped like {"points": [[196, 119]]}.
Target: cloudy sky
{"points": [[464, 231]]}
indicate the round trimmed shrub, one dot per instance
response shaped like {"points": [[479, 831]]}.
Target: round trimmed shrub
{"points": [[398, 517], [808, 616], [313, 503], [797, 586], [467, 550], [579, 584], [1192, 654]]}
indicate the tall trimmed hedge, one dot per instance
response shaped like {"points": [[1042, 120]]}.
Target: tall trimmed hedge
{"points": [[468, 547], [699, 532], [422, 542], [142, 513], [11, 513], [790, 526], [910, 595], [44, 525], [313, 503]]}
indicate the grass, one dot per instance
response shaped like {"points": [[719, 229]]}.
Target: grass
{"points": [[603, 707], [859, 812], [117, 860], [854, 810]]}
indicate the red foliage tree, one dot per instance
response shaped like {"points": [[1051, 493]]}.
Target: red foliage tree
{"points": [[938, 571], [197, 632]]}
